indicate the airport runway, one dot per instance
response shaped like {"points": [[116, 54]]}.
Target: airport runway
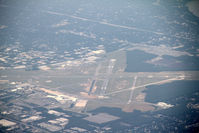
{"points": [[153, 83], [132, 90], [109, 72], [94, 79]]}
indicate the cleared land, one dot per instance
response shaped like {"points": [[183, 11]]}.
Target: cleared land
{"points": [[101, 118]]}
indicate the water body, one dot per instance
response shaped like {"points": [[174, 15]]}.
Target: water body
{"points": [[193, 7], [137, 62], [184, 90], [174, 119], [181, 94], [182, 63]]}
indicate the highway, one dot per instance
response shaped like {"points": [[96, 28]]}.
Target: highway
{"points": [[102, 22]]}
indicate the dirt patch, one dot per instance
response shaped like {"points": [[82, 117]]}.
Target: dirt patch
{"points": [[138, 106]]}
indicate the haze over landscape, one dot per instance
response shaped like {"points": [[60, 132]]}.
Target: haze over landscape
{"points": [[99, 66]]}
